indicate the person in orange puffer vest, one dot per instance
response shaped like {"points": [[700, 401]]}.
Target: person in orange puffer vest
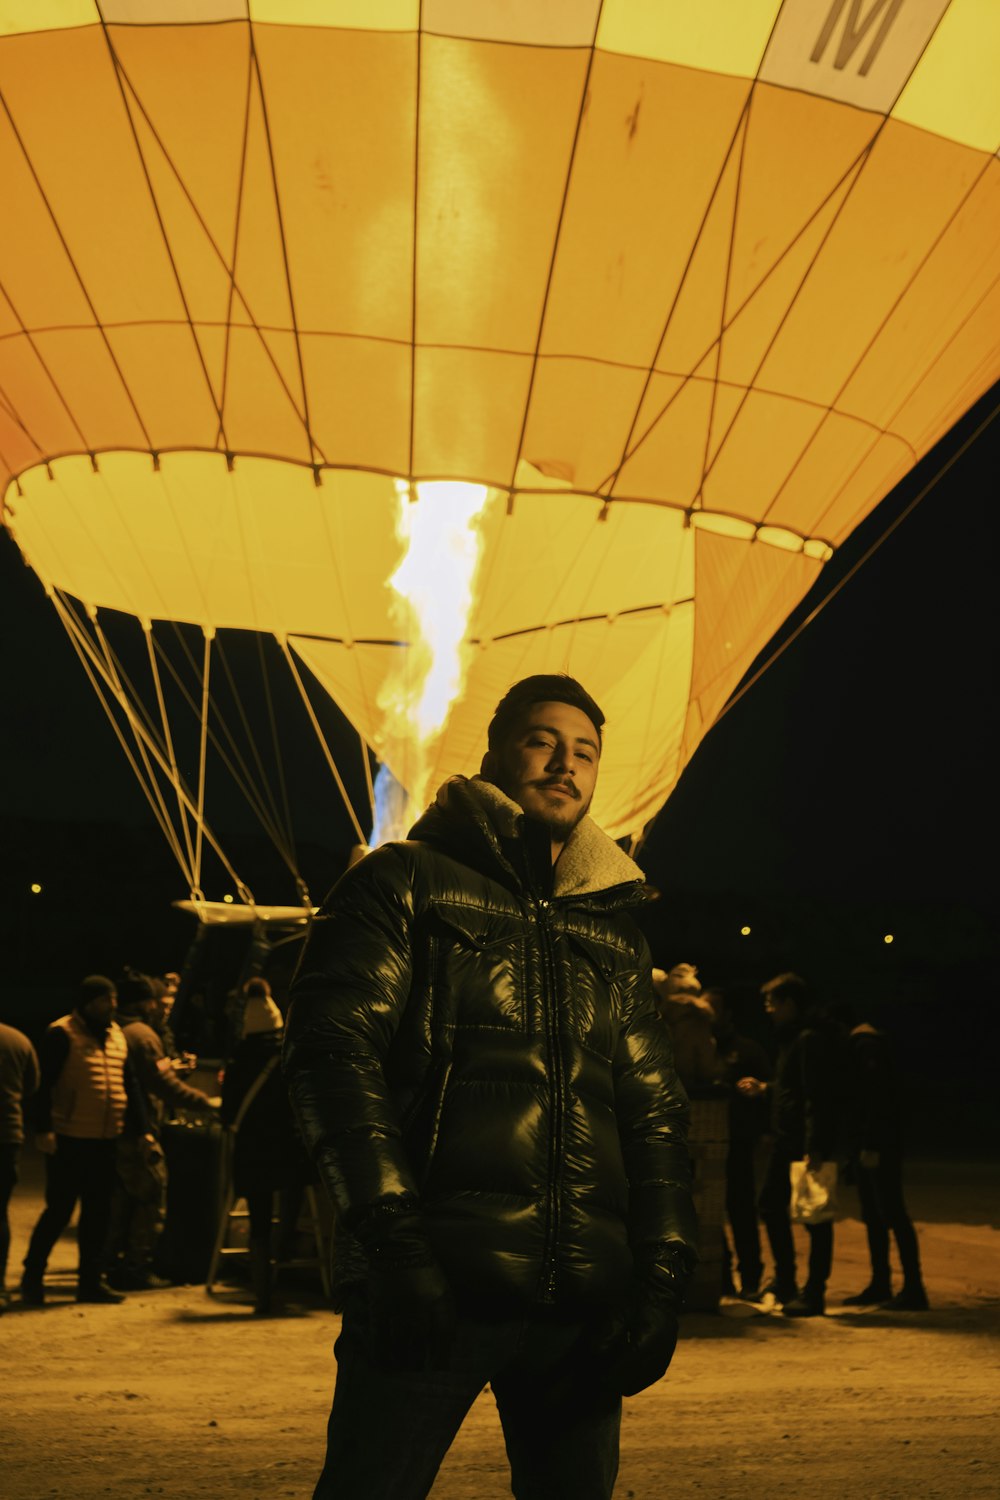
{"points": [[86, 1093]]}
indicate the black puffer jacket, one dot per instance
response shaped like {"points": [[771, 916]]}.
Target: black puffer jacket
{"points": [[456, 1036]]}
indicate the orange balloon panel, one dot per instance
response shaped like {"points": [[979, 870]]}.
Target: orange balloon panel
{"points": [[658, 276]]}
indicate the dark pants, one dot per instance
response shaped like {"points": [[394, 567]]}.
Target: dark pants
{"points": [[77, 1171], [880, 1190], [138, 1204], [775, 1198], [9, 1157], [388, 1433]]}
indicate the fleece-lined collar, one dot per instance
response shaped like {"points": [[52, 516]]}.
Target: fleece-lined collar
{"points": [[590, 860]]}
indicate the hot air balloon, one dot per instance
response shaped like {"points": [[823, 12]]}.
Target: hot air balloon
{"points": [[682, 290]]}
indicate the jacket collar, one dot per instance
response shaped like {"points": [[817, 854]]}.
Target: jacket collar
{"points": [[591, 861]]}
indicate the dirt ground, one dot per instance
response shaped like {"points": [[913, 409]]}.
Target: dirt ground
{"points": [[180, 1394]]}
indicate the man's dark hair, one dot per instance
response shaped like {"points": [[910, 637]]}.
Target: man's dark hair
{"points": [[544, 687], [93, 987], [788, 986]]}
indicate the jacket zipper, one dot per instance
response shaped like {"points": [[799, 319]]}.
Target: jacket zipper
{"points": [[550, 1010]]}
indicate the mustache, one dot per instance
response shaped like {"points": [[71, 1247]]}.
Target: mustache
{"points": [[560, 781]]}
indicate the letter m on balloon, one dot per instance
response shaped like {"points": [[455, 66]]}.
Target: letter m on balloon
{"points": [[856, 24], [859, 51]]}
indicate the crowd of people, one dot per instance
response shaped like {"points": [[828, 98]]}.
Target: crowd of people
{"points": [[824, 1092], [95, 1096]]}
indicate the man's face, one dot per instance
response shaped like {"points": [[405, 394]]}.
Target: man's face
{"points": [[99, 1011], [782, 1011], [548, 765]]}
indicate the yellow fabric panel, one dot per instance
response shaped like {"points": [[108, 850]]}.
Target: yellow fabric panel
{"points": [[557, 23], [342, 111], [356, 15], [635, 203], [887, 460], [910, 184], [744, 591], [468, 411], [966, 367], [667, 448], [33, 419], [45, 15], [192, 142], [954, 90], [838, 445], [61, 91], [798, 149], [553, 562], [167, 381], [557, 440], [761, 448], [496, 131], [722, 36], [263, 414], [359, 400], [37, 275], [85, 376], [945, 292], [754, 324]]}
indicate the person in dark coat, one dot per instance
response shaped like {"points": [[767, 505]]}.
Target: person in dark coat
{"points": [[875, 1161], [806, 1098], [476, 1060], [269, 1159], [739, 1057], [139, 1204], [19, 1078]]}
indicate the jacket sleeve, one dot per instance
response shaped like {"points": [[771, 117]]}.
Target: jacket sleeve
{"points": [[653, 1117], [345, 1008]]}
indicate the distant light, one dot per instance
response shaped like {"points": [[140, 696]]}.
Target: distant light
{"points": [[228, 899], [36, 889], [888, 938], [744, 932]]}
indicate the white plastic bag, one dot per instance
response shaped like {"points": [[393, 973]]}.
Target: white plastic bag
{"points": [[815, 1198]]}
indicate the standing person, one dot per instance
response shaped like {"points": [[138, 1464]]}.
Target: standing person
{"points": [[875, 1156], [87, 1092], [139, 1202], [488, 1092], [19, 1079], [804, 1122], [739, 1057], [268, 1155]]}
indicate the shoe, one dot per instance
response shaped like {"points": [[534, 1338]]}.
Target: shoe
{"points": [[98, 1291], [750, 1293], [125, 1280], [910, 1299], [806, 1306], [32, 1291], [4, 1300], [874, 1292], [781, 1291]]}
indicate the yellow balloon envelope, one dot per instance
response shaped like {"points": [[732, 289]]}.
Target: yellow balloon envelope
{"points": [[688, 286]]}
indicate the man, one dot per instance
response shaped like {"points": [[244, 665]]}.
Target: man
{"points": [[481, 1076], [18, 1081], [875, 1157], [741, 1056], [805, 1103], [86, 1093], [139, 1202]]}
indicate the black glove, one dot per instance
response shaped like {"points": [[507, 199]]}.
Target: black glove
{"points": [[638, 1351], [413, 1313]]}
